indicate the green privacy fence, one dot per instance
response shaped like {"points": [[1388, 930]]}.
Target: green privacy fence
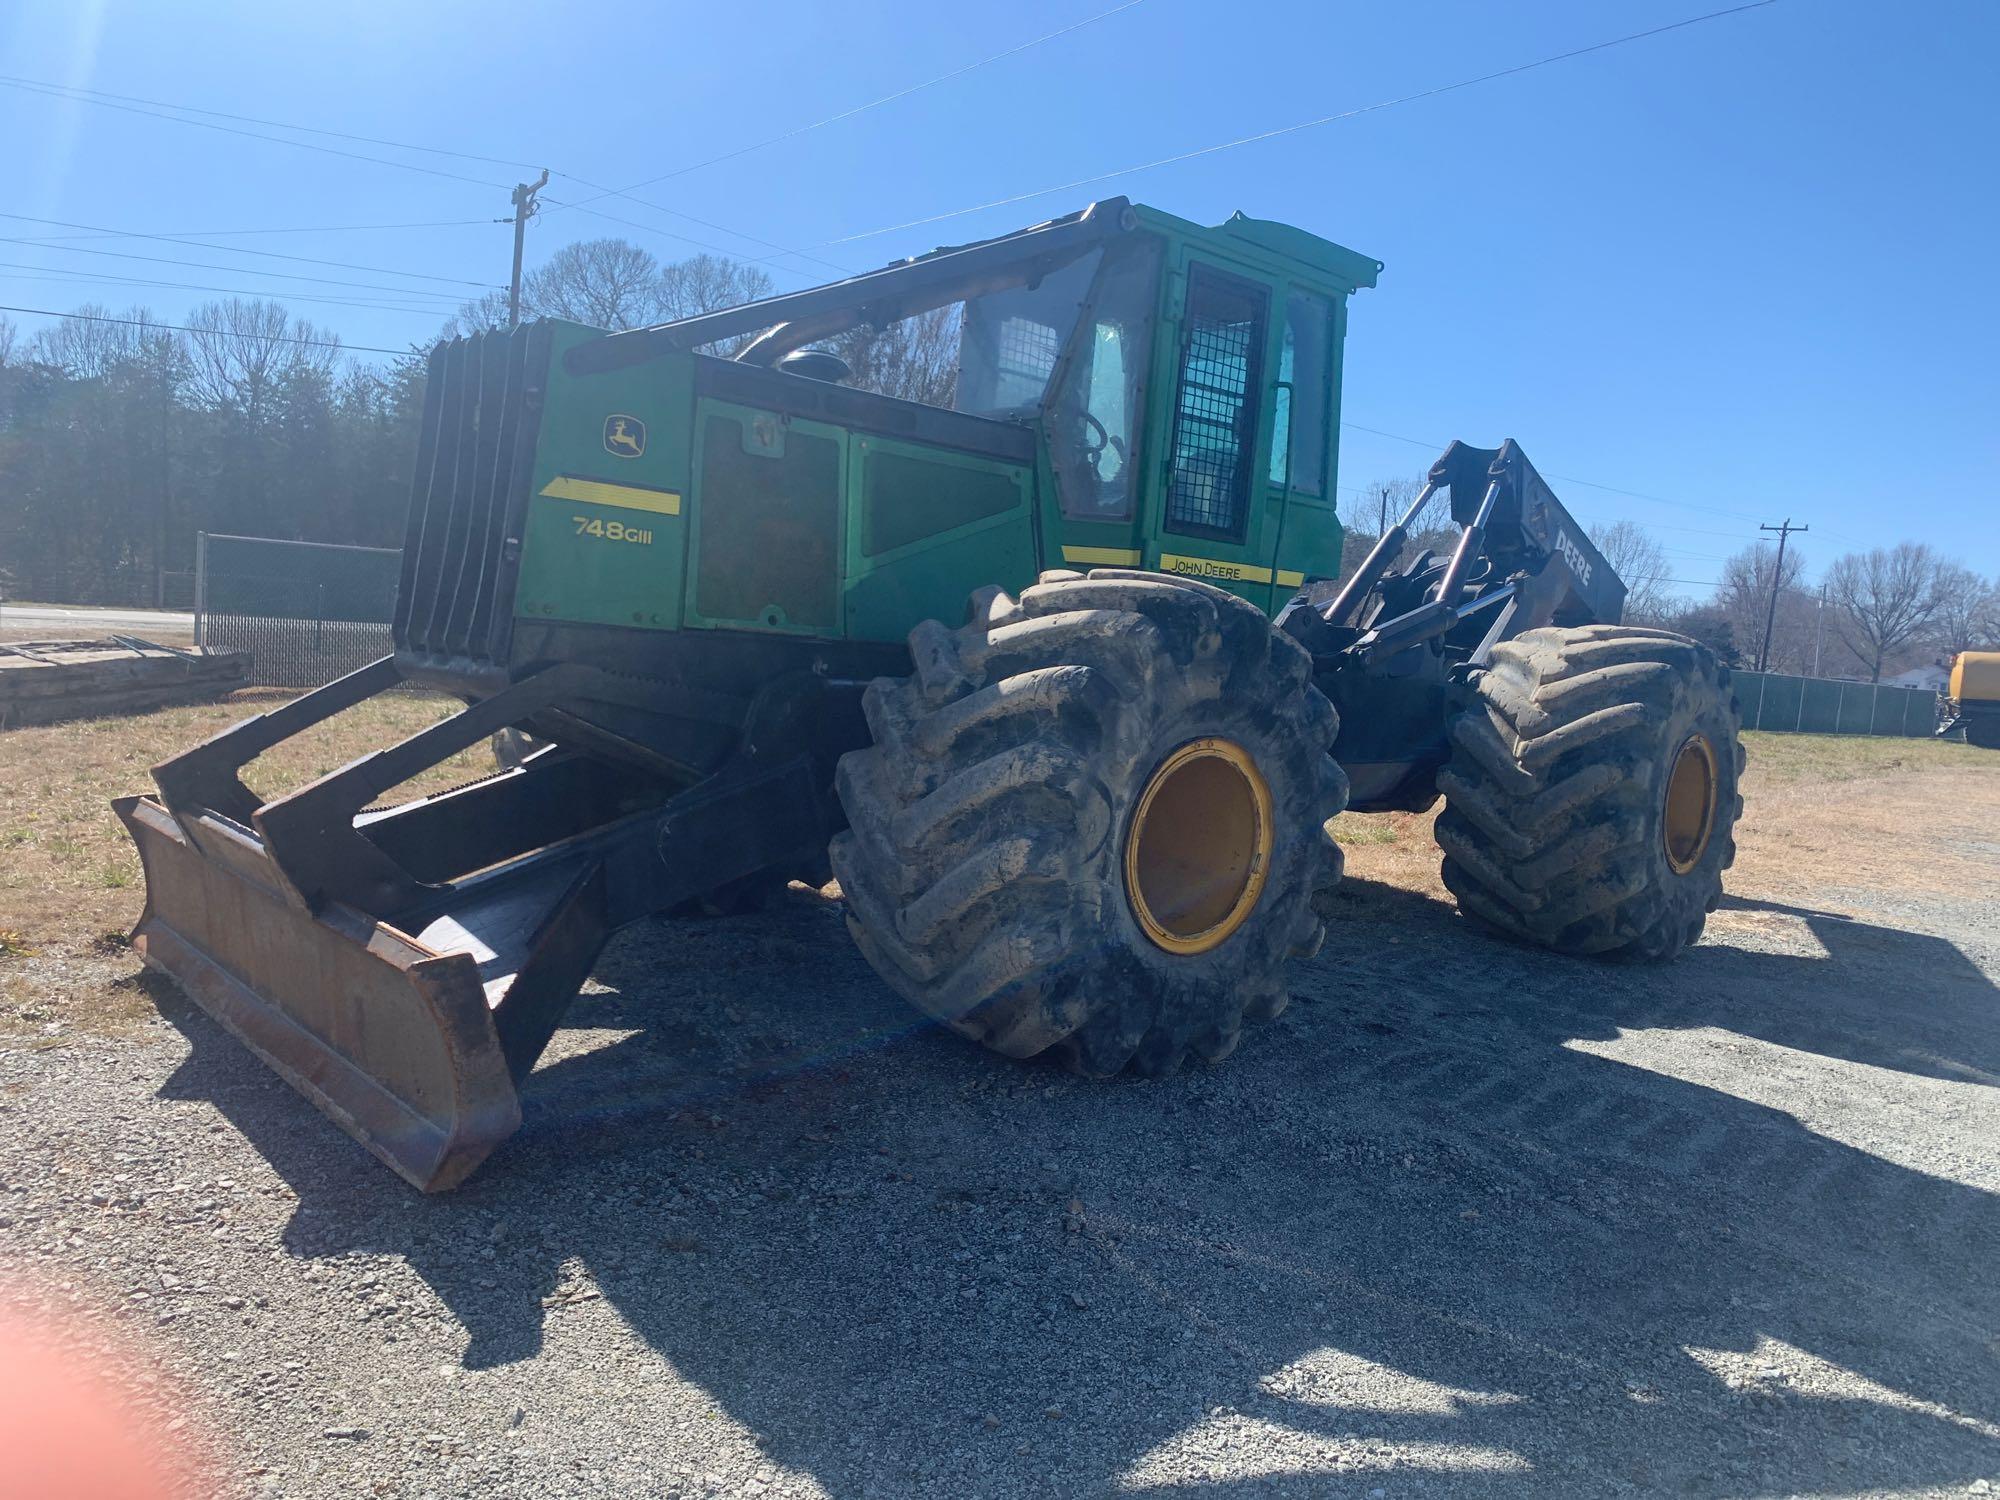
{"points": [[1813, 705]]}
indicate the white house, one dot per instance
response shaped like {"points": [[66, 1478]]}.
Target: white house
{"points": [[1933, 677]]}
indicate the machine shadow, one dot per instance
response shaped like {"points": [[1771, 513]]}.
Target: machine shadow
{"points": [[1883, 996], [1409, 1226]]}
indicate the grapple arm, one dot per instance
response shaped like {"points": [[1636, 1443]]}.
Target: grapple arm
{"points": [[1386, 645], [1519, 553]]}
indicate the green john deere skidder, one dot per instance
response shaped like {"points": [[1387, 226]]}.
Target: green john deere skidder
{"points": [[1051, 668]]}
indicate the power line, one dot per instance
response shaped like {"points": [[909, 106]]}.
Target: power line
{"points": [[225, 333], [107, 101], [848, 114], [280, 255], [117, 276], [1363, 490], [204, 265], [111, 278], [313, 304], [133, 109], [303, 304], [1396, 437], [1588, 484], [195, 244], [339, 135], [18, 272], [1612, 489], [1283, 130], [227, 233], [598, 213]]}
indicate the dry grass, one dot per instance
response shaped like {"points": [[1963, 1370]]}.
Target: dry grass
{"points": [[1826, 814], [70, 883], [1820, 812], [69, 874], [1784, 759]]}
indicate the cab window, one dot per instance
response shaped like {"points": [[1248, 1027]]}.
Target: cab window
{"points": [[1305, 363], [1011, 340], [1216, 404], [1101, 395]]}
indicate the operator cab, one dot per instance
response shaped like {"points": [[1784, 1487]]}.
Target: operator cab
{"points": [[1117, 387], [1071, 347]]}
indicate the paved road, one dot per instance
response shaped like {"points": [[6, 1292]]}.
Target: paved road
{"points": [[90, 617]]}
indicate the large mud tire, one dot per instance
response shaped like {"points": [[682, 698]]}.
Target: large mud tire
{"points": [[985, 864], [1556, 825]]}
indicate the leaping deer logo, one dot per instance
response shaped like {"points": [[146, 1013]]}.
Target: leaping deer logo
{"points": [[624, 436]]}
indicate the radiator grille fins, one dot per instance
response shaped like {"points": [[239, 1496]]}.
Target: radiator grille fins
{"points": [[475, 455]]}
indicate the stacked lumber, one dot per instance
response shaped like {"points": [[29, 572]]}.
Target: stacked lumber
{"points": [[42, 682]]}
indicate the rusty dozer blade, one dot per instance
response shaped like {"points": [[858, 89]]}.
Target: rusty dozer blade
{"points": [[392, 1039], [404, 968]]}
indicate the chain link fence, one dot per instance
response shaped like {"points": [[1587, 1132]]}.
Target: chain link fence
{"points": [[307, 612], [1817, 705]]}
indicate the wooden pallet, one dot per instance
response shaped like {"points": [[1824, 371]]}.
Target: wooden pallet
{"points": [[43, 682]]}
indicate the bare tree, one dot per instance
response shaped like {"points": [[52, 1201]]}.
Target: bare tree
{"points": [[1968, 612], [1744, 596], [915, 358], [92, 342], [1987, 626], [608, 283], [1382, 502], [8, 337], [613, 283], [243, 347], [1882, 599], [484, 315], [1379, 506], [1641, 564], [709, 283]]}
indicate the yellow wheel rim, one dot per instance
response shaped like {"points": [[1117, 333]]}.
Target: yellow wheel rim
{"points": [[1689, 815], [1199, 847]]}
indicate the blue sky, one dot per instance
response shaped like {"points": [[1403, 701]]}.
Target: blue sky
{"points": [[1747, 267]]}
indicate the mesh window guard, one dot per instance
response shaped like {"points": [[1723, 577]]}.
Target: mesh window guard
{"points": [[1215, 410], [1027, 353]]}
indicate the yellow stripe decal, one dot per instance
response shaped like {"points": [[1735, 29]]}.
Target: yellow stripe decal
{"points": [[1209, 567], [623, 496], [1108, 557]]}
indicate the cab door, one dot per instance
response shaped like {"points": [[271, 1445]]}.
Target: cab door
{"points": [[1210, 515]]}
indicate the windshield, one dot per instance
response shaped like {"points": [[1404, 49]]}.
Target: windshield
{"points": [[1011, 339], [1094, 415]]}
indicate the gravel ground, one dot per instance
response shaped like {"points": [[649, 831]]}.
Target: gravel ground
{"points": [[1467, 1220]]}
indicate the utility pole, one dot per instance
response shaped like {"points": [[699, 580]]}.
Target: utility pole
{"points": [[1819, 628], [1777, 582], [524, 210]]}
